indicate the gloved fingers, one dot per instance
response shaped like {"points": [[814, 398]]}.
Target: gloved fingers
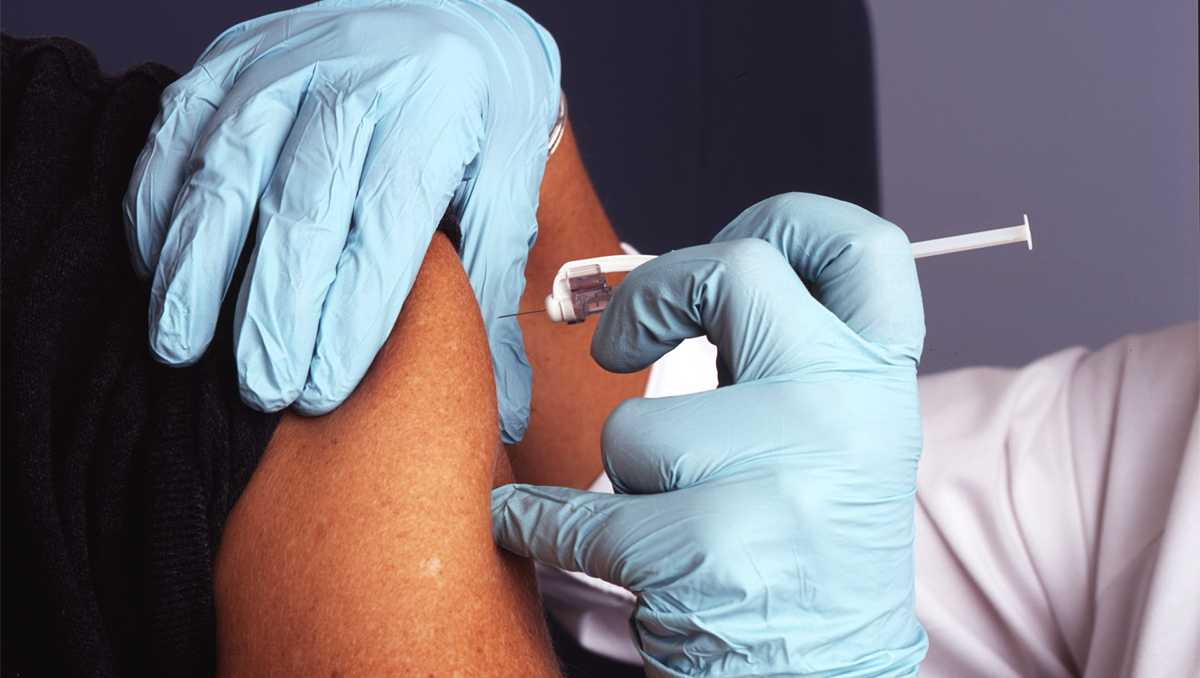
{"points": [[187, 106], [514, 377], [499, 200], [861, 265], [607, 536], [406, 184], [499, 224], [654, 445], [743, 294], [211, 219], [303, 220]]}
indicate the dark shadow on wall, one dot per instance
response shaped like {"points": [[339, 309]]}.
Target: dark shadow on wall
{"points": [[687, 112]]}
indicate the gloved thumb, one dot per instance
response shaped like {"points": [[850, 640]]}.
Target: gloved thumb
{"points": [[567, 528]]}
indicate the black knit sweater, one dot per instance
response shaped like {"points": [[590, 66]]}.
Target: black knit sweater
{"points": [[118, 472]]}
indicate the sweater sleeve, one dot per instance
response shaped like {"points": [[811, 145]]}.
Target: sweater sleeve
{"points": [[118, 472]]}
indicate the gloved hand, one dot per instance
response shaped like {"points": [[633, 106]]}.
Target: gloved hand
{"points": [[348, 125], [766, 527]]}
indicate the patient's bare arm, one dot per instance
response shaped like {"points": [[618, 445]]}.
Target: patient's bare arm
{"points": [[363, 543]]}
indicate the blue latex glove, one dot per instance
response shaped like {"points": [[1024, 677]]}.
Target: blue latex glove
{"points": [[766, 527], [349, 126]]}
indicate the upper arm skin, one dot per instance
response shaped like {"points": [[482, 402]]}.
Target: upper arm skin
{"points": [[363, 543]]}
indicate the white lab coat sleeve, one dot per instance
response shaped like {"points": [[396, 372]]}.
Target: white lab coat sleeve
{"points": [[1058, 514]]}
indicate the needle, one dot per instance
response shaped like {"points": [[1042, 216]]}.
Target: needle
{"points": [[511, 315]]}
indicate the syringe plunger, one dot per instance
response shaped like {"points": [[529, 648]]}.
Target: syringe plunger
{"points": [[974, 241]]}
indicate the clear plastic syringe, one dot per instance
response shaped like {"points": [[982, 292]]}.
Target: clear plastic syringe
{"points": [[580, 288]]}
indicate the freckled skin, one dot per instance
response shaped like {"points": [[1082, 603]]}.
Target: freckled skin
{"points": [[324, 566], [363, 544]]}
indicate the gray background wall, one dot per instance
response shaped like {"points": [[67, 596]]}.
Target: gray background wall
{"points": [[1082, 114]]}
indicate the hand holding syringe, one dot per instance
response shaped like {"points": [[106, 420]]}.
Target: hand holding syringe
{"points": [[580, 288]]}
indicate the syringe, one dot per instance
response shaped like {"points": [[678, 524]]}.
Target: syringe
{"points": [[580, 288], [974, 241]]}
